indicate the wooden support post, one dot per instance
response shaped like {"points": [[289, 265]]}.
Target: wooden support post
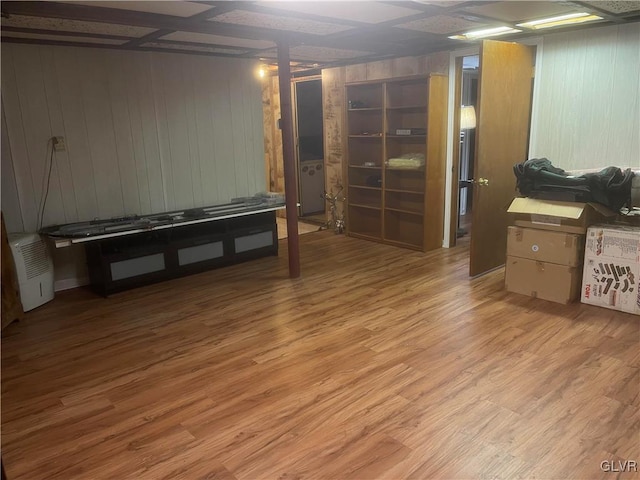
{"points": [[288, 153]]}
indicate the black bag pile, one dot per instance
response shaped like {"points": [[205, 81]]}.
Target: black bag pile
{"points": [[538, 178]]}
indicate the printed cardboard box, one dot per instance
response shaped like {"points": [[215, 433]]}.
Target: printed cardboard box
{"points": [[612, 268]]}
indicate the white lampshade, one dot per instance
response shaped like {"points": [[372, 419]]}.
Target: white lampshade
{"points": [[467, 117]]}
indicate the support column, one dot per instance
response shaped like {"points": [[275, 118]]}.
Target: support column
{"points": [[288, 154]]}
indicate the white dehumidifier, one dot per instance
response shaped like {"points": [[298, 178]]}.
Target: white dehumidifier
{"points": [[34, 267]]}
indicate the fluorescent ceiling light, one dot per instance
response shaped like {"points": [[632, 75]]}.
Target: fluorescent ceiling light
{"points": [[560, 20], [489, 32]]}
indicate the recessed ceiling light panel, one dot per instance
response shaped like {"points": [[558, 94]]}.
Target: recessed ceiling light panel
{"points": [[568, 19], [487, 32]]}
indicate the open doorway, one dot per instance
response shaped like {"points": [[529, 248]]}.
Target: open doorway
{"points": [[503, 98], [467, 123], [309, 141]]}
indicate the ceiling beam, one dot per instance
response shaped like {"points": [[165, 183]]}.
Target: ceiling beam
{"points": [[61, 33], [166, 31], [241, 50], [138, 19], [150, 37], [167, 22], [38, 41], [62, 43]]}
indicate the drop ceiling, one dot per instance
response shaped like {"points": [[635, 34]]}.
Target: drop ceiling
{"points": [[319, 33]]}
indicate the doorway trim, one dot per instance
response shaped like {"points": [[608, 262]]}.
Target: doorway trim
{"points": [[296, 136], [453, 56]]}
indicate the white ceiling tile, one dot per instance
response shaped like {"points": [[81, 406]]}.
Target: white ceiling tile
{"points": [[62, 38], [264, 20], [617, 6], [61, 24], [177, 9], [217, 40], [367, 12], [441, 24], [521, 10]]}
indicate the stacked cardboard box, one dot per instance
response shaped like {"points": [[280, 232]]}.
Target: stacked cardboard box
{"points": [[545, 247], [544, 264], [612, 268]]}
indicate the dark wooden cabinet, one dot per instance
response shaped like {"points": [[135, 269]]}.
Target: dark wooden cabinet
{"points": [[129, 261]]}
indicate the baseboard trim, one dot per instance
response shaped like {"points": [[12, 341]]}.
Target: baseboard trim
{"points": [[69, 283]]}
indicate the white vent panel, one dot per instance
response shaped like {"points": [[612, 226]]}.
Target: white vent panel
{"points": [[34, 268], [36, 260]]}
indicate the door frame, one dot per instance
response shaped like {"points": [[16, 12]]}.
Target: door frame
{"points": [[450, 181], [294, 118]]}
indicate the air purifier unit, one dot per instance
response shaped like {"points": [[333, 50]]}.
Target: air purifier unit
{"points": [[34, 267]]}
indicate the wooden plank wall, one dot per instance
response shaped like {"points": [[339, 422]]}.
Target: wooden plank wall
{"points": [[274, 163], [145, 132], [333, 81], [333, 105]]}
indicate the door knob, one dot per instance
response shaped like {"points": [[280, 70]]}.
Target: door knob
{"points": [[480, 181]]}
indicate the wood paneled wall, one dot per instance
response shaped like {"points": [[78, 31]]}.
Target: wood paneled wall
{"points": [[588, 114], [333, 105], [274, 162], [145, 132]]}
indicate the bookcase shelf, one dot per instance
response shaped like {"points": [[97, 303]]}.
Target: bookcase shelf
{"points": [[392, 136], [394, 205], [408, 108]]}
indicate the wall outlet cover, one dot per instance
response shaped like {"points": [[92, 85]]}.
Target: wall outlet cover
{"points": [[59, 144]]}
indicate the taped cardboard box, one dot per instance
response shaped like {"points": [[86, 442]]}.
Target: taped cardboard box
{"points": [[546, 246], [570, 217], [611, 272], [548, 281]]}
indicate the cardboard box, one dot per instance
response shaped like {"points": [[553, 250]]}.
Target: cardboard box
{"points": [[546, 246], [549, 281], [611, 275], [570, 217]]}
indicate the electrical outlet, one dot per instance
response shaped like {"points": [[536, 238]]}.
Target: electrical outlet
{"points": [[58, 144]]}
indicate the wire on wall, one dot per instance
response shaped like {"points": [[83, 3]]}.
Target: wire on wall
{"points": [[47, 178]]}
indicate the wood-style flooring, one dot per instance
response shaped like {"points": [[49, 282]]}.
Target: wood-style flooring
{"points": [[378, 362], [303, 228]]}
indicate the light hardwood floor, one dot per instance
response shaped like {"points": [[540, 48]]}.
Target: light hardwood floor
{"points": [[302, 228], [378, 362]]}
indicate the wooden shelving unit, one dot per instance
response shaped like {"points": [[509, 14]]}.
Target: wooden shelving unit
{"points": [[398, 206]]}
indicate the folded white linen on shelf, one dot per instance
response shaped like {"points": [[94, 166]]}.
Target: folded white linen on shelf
{"points": [[408, 160]]}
